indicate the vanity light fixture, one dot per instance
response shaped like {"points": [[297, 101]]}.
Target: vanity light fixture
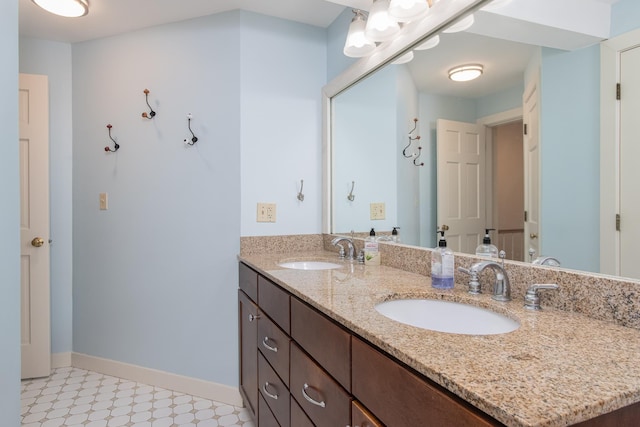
{"points": [[465, 73], [380, 26], [357, 44], [408, 10], [66, 8]]}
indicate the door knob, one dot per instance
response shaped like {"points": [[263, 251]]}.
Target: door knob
{"points": [[533, 236], [37, 242]]}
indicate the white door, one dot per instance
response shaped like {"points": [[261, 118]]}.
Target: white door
{"points": [[461, 183], [629, 160], [531, 169], [34, 226]]}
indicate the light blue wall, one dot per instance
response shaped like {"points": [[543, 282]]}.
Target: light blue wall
{"points": [[54, 60], [570, 156], [499, 102], [9, 218], [282, 72], [624, 17], [155, 276]]}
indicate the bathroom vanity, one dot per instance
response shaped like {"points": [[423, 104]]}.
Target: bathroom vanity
{"points": [[314, 351]]}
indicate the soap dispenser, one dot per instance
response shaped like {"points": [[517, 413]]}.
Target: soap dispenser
{"points": [[371, 252], [486, 249], [442, 265], [394, 235]]}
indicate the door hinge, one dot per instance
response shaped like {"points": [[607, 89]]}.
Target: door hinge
{"points": [[524, 130], [525, 216], [617, 222], [618, 91]]}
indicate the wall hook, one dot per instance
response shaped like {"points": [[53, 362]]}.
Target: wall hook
{"points": [[351, 196], [417, 155], [151, 114], [194, 138], [116, 146], [300, 195]]}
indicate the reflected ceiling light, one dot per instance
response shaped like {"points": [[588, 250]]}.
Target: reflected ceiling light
{"points": [[429, 44], [407, 10], [462, 25], [357, 44], [66, 8], [464, 73], [407, 57], [380, 26]]}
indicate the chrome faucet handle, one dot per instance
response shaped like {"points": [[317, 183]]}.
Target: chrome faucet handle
{"points": [[532, 299], [474, 283]]}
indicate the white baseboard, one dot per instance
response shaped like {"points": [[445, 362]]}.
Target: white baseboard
{"points": [[60, 360], [196, 387]]}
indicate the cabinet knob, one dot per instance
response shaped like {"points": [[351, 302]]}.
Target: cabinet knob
{"points": [[252, 317]]}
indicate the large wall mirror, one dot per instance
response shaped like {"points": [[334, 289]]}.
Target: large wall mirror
{"points": [[527, 131]]}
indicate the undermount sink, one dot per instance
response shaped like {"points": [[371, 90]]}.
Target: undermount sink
{"points": [[447, 316], [310, 265]]}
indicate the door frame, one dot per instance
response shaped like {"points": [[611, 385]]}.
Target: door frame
{"points": [[610, 51]]}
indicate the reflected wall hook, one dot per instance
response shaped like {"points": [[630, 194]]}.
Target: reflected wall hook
{"points": [[116, 146], [194, 138], [412, 138], [417, 155], [300, 195], [151, 114], [351, 196]]}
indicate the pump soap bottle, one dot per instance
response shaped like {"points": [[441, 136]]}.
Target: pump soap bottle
{"points": [[486, 249], [371, 252], [442, 265]]}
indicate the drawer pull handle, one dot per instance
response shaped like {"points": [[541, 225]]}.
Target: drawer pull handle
{"points": [[265, 391], [252, 317], [309, 399], [265, 344]]}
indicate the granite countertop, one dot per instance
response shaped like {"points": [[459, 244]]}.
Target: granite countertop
{"points": [[558, 368]]}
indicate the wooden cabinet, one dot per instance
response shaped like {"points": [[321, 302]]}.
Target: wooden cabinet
{"points": [[248, 327], [360, 417]]}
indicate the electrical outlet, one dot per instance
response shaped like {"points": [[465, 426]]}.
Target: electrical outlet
{"points": [[266, 212], [377, 211], [104, 201]]}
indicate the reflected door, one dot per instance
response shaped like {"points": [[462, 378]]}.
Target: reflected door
{"points": [[629, 160], [34, 226], [531, 150], [461, 183]]}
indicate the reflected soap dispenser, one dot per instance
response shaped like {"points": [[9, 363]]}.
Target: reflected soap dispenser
{"points": [[442, 265], [486, 249]]}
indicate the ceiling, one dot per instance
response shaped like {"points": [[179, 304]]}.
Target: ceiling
{"points": [[111, 17]]}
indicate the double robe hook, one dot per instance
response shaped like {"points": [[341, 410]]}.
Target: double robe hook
{"points": [[116, 146], [151, 114]]}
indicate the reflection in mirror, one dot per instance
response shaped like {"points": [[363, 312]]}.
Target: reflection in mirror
{"points": [[372, 120]]}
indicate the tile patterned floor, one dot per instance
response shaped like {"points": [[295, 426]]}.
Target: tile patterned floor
{"points": [[76, 397]]}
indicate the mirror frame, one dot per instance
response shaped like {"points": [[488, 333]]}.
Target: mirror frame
{"points": [[412, 34]]}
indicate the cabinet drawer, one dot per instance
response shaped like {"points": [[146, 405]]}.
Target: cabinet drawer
{"points": [[274, 345], [298, 417], [397, 396], [266, 417], [275, 302], [274, 392], [317, 334], [248, 281], [361, 417], [324, 401]]}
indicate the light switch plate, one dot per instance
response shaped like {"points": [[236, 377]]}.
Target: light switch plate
{"points": [[377, 211], [104, 201], [266, 212]]}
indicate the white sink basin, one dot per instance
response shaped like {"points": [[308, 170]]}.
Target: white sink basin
{"points": [[310, 265], [446, 316]]}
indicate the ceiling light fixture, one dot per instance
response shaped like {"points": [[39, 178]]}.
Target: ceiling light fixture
{"points": [[357, 44], [465, 73], [380, 26], [66, 8], [407, 10]]}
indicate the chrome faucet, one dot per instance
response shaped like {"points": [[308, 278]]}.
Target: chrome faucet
{"points": [[547, 260], [350, 247], [501, 287]]}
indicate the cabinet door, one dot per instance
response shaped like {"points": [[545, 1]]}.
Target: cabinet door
{"points": [[298, 417], [360, 417], [274, 392], [399, 397], [248, 327], [274, 346], [248, 281], [266, 417]]}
